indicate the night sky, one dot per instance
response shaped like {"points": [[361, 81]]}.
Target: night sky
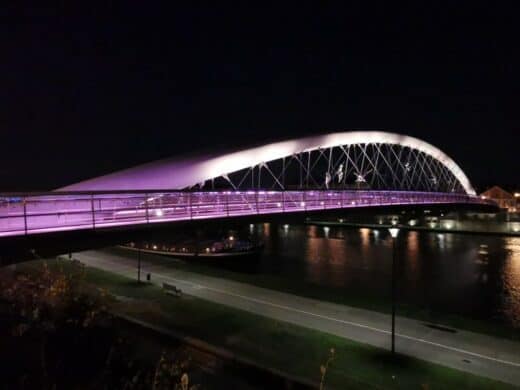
{"points": [[86, 91]]}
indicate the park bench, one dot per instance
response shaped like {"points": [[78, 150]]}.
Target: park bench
{"points": [[171, 289]]}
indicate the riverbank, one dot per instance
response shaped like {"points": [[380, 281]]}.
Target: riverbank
{"points": [[456, 230], [285, 347], [467, 351], [352, 298]]}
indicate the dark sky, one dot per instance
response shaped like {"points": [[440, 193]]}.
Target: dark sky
{"points": [[86, 91]]}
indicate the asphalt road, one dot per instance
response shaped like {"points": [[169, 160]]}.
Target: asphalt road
{"points": [[479, 354]]}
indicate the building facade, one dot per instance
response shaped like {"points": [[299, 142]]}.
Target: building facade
{"points": [[503, 198]]}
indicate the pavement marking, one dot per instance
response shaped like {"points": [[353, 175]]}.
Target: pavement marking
{"points": [[264, 302], [284, 307]]}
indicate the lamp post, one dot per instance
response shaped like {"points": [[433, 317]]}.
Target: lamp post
{"points": [[394, 231], [138, 264]]}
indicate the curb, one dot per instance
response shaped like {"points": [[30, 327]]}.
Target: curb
{"points": [[217, 351]]}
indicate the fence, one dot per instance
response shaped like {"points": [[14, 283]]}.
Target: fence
{"points": [[22, 214]]}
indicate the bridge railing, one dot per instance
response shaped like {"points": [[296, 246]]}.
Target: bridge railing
{"points": [[23, 214]]}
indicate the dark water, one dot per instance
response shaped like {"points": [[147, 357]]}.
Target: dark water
{"points": [[476, 276]]}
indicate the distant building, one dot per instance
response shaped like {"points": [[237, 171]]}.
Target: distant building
{"points": [[503, 198]]}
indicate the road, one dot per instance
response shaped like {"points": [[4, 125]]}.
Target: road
{"points": [[479, 354]]}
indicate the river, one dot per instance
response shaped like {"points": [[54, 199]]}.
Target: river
{"points": [[476, 276]]}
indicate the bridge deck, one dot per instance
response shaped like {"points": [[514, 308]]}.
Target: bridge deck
{"points": [[52, 212]]}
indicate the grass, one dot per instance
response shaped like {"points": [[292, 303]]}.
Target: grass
{"points": [[360, 299], [282, 346]]}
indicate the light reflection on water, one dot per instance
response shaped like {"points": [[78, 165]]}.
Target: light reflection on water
{"points": [[511, 277], [477, 276]]}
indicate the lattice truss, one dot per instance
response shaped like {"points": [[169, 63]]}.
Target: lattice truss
{"points": [[376, 166]]}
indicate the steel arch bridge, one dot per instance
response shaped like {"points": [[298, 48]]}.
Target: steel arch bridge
{"points": [[334, 171], [370, 160]]}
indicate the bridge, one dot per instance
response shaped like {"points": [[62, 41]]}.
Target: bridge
{"points": [[331, 172]]}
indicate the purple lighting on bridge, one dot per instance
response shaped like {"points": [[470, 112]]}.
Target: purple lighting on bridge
{"points": [[183, 173], [401, 173], [54, 212]]}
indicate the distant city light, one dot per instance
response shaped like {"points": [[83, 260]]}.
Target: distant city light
{"points": [[159, 212]]}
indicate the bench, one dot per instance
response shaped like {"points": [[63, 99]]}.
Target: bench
{"points": [[170, 289]]}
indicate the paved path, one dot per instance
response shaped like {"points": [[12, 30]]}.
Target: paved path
{"points": [[472, 352]]}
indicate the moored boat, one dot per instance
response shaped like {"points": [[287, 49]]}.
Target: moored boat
{"points": [[208, 249]]}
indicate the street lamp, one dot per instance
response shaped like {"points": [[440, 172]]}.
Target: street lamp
{"points": [[394, 231], [138, 263]]}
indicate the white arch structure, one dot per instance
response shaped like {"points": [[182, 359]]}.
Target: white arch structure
{"points": [[388, 170], [185, 173]]}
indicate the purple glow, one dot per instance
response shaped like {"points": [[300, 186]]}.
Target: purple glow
{"points": [[185, 173], [56, 212]]}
